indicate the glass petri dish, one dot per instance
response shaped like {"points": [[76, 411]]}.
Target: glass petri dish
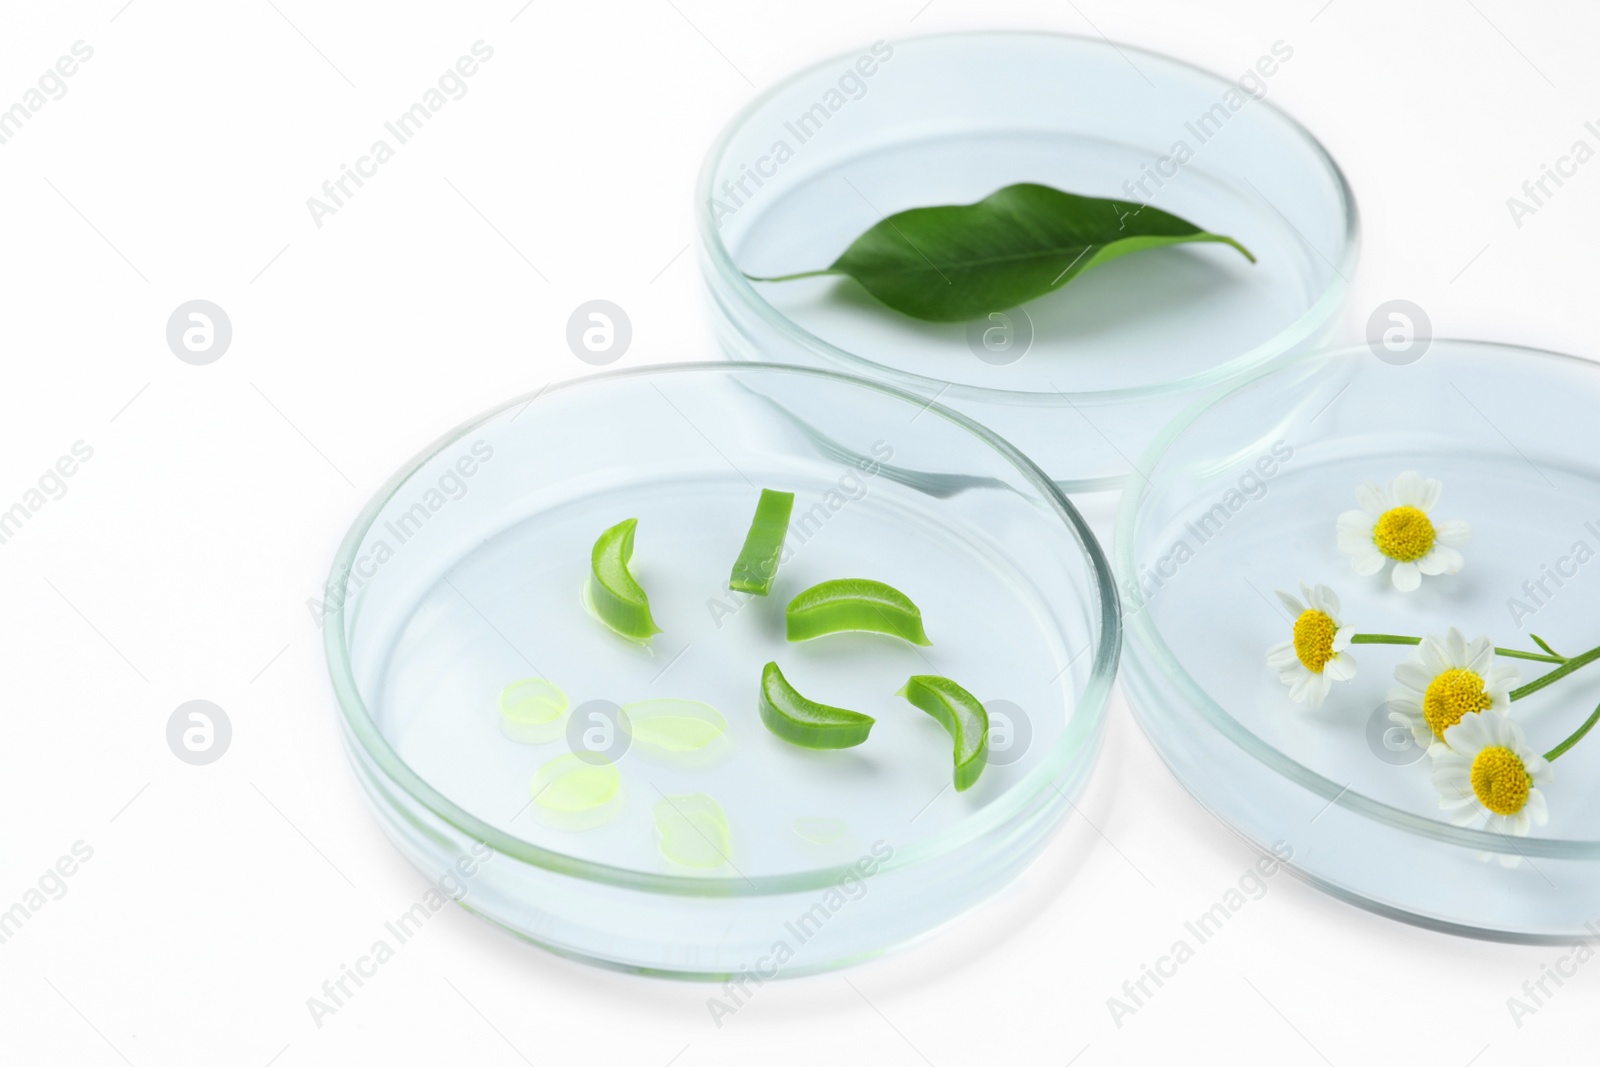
{"points": [[694, 859], [1243, 494], [1082, 379]]}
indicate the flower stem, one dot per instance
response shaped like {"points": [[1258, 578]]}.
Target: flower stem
{"points": [[1577, 735], [1511, 653], [1396, 639], [1556, 675]]}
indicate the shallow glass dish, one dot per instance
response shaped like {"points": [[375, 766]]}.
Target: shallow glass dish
{"points": [[1083, 378], [1242, 497], [464, 575]]}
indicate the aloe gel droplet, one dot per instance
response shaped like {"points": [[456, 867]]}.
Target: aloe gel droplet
{"points": [[818, 830], [532, 711], [687, 732], [572, 794], [693, 831]]}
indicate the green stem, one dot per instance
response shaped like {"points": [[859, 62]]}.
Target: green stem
{"points": [[790, 277], [1556, 675], [1577, 735], [1511, 653], [1396, 639], [1384, 639]]}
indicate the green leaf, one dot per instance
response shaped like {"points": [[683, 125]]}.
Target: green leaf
{"points": [[962, 262]]}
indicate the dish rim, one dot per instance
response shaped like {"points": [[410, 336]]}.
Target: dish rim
{"points": [[363, 734], [1305, 325], [1143, 636]]}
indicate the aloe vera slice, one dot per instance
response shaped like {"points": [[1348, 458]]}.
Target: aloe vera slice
{"points": [[805, 722], [757, 564], [694, 830], [960, 713], [614, 596], [531, 711], [854, 604]]}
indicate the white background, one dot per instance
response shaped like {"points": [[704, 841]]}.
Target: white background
{"points": [[178, 563]]}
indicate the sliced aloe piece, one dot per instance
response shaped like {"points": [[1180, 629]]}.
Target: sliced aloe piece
{"points": [[572, 794], [694, 830], [959, 712], [531, 711], [854, 604], [614, 596], [757, 564], [682, 731], [805, 722]]}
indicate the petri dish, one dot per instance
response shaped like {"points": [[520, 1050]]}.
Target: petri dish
{"points": [[1082, 379], [464, 575], [1243, 496]]}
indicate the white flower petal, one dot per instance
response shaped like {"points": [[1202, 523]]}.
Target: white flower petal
{"points": [[1341, 668], [1373, 498], [1503, 730], [1354, 530], [1317, 691], [1414, 676], [1454, 533], [1478, 656], [1432, 489], [1367, 560], [1406, 577], [1291, 603], [1342, 637], [1419, 729], [1409, 489], [1469, 735], [1432, 655], [1539, 768], [1404, 703], [1536, 808], [1442, 559]]}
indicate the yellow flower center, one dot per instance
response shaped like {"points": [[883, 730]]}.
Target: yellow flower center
{"points": [[1451, 695], [1404, 533], [1313, 639], [1501, 780]]}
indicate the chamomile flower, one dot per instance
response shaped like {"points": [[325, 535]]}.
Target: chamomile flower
{"points": [[1488, 777], [1316, 657], [1446, 679], [1394, 525]]}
